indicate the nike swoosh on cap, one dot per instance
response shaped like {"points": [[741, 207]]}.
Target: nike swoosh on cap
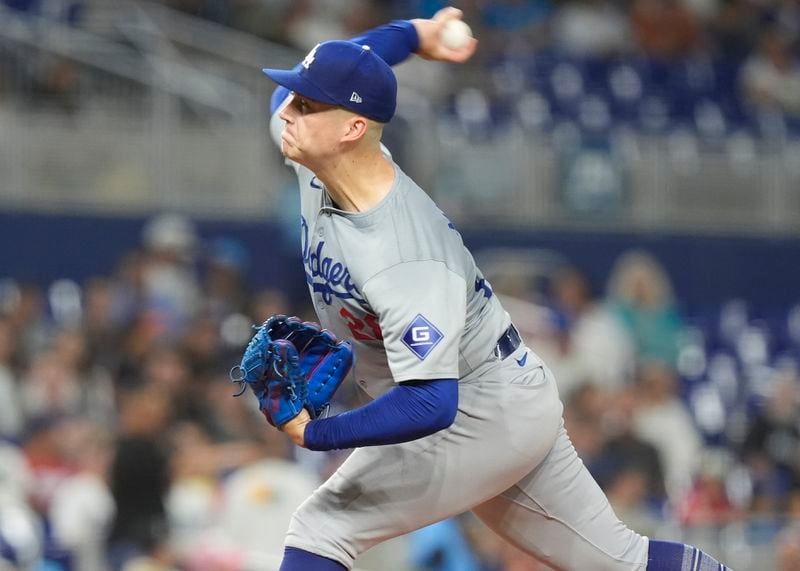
{"points": [[522, 360]]}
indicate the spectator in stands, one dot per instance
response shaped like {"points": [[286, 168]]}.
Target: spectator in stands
{"points": [[96, 388], [662, 420], [15, 483], [707, 502], [26, 314], [202, 346], [168, 369], [734, 29], [60, 382], [49, 388], [771, 448], [139, 339], [225, 284], [195, 465], [10, 409], [140, 477], [128, 287], [665, 29], [591, 28], [102, 323], [257, 502], [82, 507], [583, 417], [45, 457], [630, 469], [770, 78], [627, 456], [196, 454], [598, 349], [170, 283], [627, 492], [640, 294]]}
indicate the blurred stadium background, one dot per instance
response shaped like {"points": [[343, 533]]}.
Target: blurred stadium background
{"points": [[626, 171]]}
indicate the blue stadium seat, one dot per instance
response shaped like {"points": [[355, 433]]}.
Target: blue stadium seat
{"points": [[533, 111], [651, 96], [654, 114], [625, 81], [708, 119], [566, 83], [594, 115]]}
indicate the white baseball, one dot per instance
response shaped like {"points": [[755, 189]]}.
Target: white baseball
{"points": [[456, 34]]}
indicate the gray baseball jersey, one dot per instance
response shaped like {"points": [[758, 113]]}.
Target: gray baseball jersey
{"points": [[398, 282]]}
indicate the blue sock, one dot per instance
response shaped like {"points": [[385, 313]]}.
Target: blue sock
{"points": [[300, 560], [669, 556]]}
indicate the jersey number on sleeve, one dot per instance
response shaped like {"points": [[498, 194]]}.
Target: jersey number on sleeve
{"points": [[363, 330]]}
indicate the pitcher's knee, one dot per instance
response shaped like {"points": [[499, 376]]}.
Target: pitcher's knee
{"points": [[317, 531]]}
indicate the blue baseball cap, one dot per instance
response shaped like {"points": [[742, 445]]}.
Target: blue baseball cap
{"points": [[345, 74]]}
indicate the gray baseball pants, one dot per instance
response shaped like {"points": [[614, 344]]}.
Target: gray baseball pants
{"points": [[506, 457]]}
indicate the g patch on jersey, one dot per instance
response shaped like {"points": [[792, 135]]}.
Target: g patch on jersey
{"points": [[421, 336]]}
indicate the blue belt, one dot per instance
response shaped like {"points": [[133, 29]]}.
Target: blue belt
{"points": [[508, 343]]}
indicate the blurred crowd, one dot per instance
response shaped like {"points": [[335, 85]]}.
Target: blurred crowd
{"points": [[763, 35], [123, 447], [655, 28], [120, 434], [759, 39]]}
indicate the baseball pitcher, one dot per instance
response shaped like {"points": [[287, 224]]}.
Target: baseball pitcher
{"points": [[463, 416]]}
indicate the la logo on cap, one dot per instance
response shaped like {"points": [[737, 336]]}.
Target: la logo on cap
{"points": [[306, 63], [355, 98]]}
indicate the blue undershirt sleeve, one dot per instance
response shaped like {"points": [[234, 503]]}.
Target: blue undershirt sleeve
{"points": [[409, 411], [394, 41]]}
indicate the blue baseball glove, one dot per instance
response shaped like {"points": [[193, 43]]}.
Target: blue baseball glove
{"points": [[290, 364]]}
